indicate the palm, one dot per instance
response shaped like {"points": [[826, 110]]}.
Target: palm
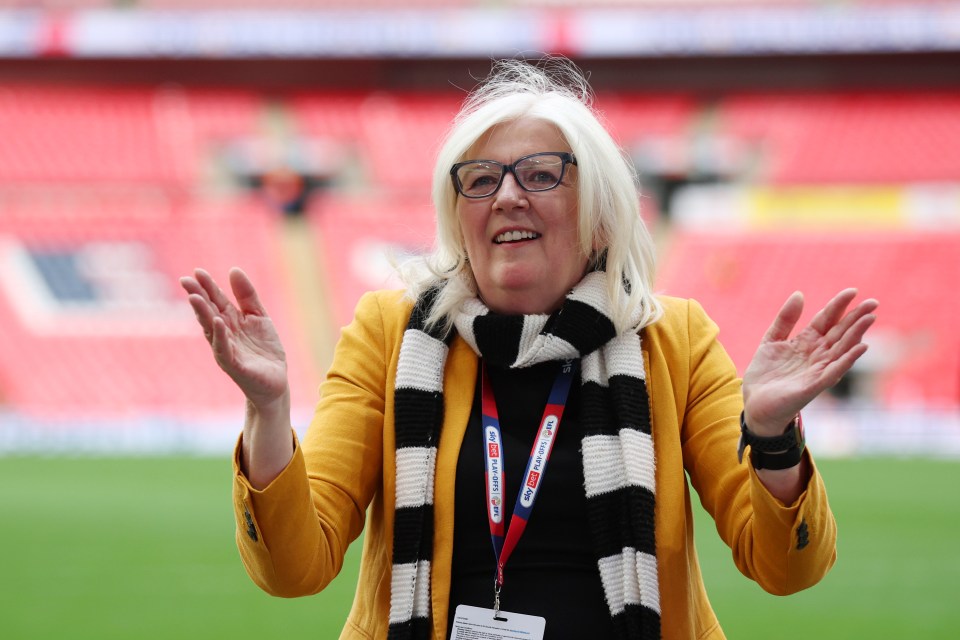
{"points": [[787, 373], [254, 356], [244, 340]]}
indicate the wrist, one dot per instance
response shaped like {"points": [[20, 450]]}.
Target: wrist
{"points": [[780, 451], [267, 443], [268, 409], [764, 428]]}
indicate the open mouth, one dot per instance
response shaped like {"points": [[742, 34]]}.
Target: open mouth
{"points": [[515, 236]]}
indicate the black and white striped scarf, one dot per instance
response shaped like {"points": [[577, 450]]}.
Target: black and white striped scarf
{"points": [[617, 447]]}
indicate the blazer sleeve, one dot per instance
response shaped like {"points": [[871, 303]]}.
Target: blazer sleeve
{"points": [[293, 534], [784, 548]]}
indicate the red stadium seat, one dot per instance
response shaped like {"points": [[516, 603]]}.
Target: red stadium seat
{"points": [[851, 138], [132, 345], [401, 136], [139, 135], [124, 170], [358, 236], [741, 280]]}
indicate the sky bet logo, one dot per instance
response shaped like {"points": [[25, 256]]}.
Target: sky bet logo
{"points": [[494, 471], [540, 454], [533, 479]]}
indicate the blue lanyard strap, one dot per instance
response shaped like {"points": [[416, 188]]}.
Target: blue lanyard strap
{"points": [[504, 544]]}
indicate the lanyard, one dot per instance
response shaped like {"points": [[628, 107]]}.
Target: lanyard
{"points": [[503, 545]]}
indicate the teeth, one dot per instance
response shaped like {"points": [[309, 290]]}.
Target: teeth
{"points": [[514, 236]]}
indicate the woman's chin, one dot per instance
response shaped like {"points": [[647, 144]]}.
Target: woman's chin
{"points": [[531, 299]]}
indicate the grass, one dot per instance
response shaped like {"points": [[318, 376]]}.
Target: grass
{"points": [[897, 560], [143, 547], [138, 548]]}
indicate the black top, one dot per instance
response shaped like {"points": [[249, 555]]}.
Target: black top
{"points": [[553, 570]]}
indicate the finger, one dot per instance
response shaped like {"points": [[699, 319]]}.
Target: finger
{"points": [[190, 285], [844, 354], [854, 335], [204, 312], [831, 313], [193, 288], [833, 372], [194, 285], [245, 293], [865, 308], [786, 319], [213, 291], [221, 344]]}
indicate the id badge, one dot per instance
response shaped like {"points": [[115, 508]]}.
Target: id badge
{"points": [[476, 623]]}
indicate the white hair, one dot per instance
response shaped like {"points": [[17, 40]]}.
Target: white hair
{"points": [[610, 227]]}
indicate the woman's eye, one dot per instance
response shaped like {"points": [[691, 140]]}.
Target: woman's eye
{"points": [[482, 181], [545, 177], [539, 177]]}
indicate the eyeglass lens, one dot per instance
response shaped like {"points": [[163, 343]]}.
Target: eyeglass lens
{"points": [[535, 173]]}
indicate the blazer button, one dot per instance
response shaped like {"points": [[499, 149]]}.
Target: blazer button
{"points": [[251, 528], [803, 535]]}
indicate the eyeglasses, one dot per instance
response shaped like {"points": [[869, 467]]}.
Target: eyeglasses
{"points": [[536, 172]]}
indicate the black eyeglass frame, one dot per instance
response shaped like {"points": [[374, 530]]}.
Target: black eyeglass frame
{"points": [[566, 158]]}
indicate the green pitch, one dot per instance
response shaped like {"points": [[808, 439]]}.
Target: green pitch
{"points": [[143, 548]]}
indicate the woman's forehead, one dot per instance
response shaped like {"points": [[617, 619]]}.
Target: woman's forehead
{"points": [[507, 141]]}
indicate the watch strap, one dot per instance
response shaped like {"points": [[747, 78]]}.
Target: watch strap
{"points": [[776, 461], [773, 452]]}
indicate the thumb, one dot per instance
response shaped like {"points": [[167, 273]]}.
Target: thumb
{"points": [[786, 319]]}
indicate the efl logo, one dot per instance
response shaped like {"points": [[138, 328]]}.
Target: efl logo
{"points": [[549, 424], [493, 450], [533, 479]]}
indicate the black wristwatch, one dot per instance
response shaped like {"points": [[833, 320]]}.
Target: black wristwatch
{"points": [[773, 452]]}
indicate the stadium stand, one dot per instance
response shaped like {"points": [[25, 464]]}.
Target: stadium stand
{"points": [[156, 135], [138, 175], [357, 237], [328, 114], [742, 279], [91, 319], [401, 136], [69, 135], [849, 138], [636, 116], [160, 135]]}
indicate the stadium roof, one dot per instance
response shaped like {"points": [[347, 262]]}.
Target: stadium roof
{"points": [[434, 29]]}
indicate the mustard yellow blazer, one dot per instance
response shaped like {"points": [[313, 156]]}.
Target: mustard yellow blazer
{"points": [[293, 534]]}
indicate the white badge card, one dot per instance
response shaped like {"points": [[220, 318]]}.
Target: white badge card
{"points": [[475, 623]]}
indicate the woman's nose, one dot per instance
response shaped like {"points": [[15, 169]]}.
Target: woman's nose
{"points": [[510, 193]]}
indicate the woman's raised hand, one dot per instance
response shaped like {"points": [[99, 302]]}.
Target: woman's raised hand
{"points": [[244, 341], [787, 373]]}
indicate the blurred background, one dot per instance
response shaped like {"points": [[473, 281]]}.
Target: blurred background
{"points": [[781, 145]]}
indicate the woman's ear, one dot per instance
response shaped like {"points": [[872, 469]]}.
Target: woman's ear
{"points": [[598, 246], [598, 259]]}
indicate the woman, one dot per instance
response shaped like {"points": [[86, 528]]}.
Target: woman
{"points": [[530, 335]]}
